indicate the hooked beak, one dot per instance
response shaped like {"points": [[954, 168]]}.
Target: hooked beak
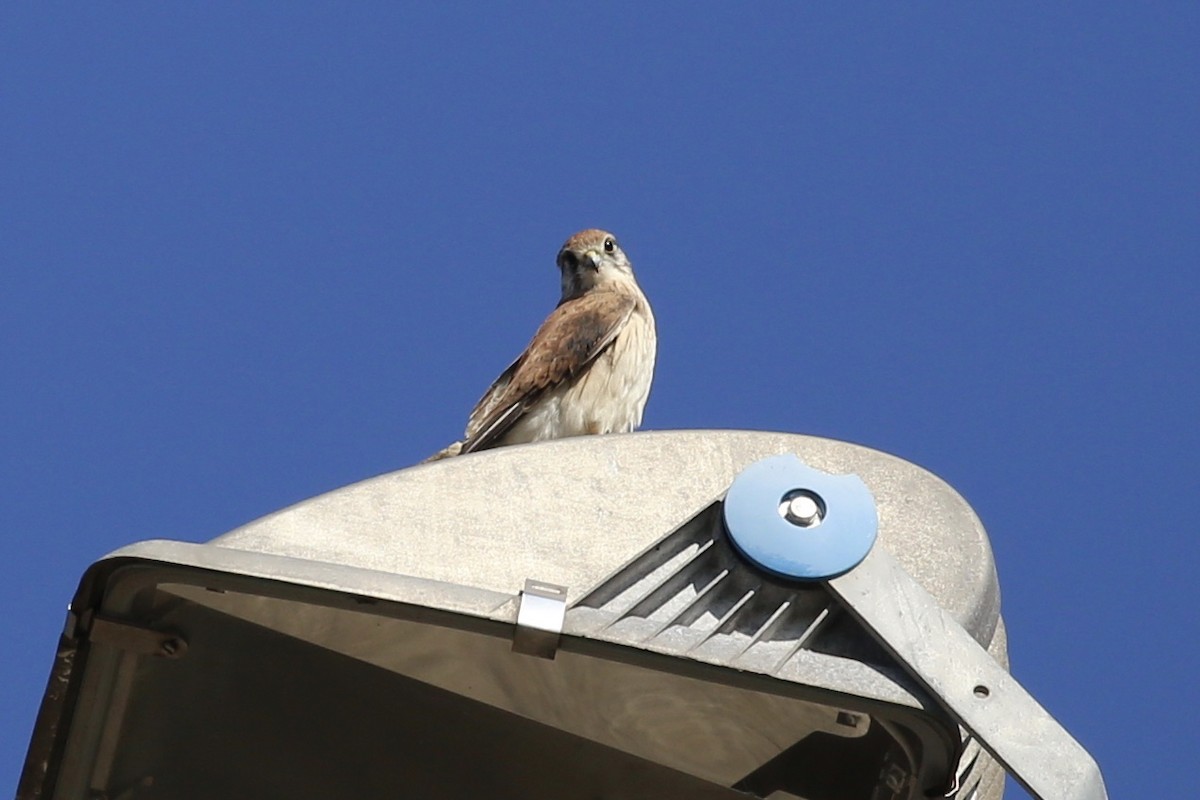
{"points": [[592, 259]]}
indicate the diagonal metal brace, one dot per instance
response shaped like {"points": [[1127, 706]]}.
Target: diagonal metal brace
{"points": [[139, 639], [976, 691]]}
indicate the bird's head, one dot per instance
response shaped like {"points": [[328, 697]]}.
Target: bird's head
{"points": [[591, 258]]}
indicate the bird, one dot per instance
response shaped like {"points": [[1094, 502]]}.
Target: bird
{"points": [[589, 367]]}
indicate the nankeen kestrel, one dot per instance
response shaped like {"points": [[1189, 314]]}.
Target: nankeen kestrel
{"points": [[589, 367]]}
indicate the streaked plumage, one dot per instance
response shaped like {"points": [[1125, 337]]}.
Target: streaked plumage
{"points": [[589, 366]]}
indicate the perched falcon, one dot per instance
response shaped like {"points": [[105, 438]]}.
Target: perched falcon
{"points": [[588, 368]]}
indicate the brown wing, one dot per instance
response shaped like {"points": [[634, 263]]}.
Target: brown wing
{"points": [[570, 339], [483, 409]]}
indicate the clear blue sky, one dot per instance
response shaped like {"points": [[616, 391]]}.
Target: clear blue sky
{"points": [[250, 253]]}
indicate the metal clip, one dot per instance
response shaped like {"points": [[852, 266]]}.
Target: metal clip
{"points": [[540, 615]]}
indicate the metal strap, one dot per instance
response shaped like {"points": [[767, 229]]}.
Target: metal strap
{"points": [[980, 694]]}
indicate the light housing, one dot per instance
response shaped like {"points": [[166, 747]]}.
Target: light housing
{"points": [[564, 620]]}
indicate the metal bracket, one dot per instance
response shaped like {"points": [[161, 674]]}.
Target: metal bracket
{"points": [[137, 639], [540, 615], [773, 498], [976, 691]]}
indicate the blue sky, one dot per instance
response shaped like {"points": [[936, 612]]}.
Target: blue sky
{"points": [[249, 254]]}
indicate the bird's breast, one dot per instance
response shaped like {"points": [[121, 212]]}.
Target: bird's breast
{"points": [[607, 397]]}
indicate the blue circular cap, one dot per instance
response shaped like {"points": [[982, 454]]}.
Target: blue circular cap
{"points": [[840, 536]]}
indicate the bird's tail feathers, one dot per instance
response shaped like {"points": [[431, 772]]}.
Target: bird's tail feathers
{"points": [[445, 452]]}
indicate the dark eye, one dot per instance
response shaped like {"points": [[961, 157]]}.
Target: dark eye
{"points": [[609, 245], [567, 260]]}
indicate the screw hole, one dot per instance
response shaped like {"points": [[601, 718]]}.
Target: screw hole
{"points": [[982, 691]]}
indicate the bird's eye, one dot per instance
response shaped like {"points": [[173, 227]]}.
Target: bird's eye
{"points": [[609, 245], [567, 260]]}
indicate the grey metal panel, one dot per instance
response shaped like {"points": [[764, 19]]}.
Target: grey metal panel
{"points": [[242, 721], [571, 512], [459, 538]]}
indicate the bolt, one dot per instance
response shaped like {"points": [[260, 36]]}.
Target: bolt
{"points": [[802, 508]]}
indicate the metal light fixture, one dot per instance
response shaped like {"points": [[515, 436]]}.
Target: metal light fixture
{"points": [[699, 614]]}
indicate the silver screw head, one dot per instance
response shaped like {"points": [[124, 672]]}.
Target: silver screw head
{"points": [[802, 508]]}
